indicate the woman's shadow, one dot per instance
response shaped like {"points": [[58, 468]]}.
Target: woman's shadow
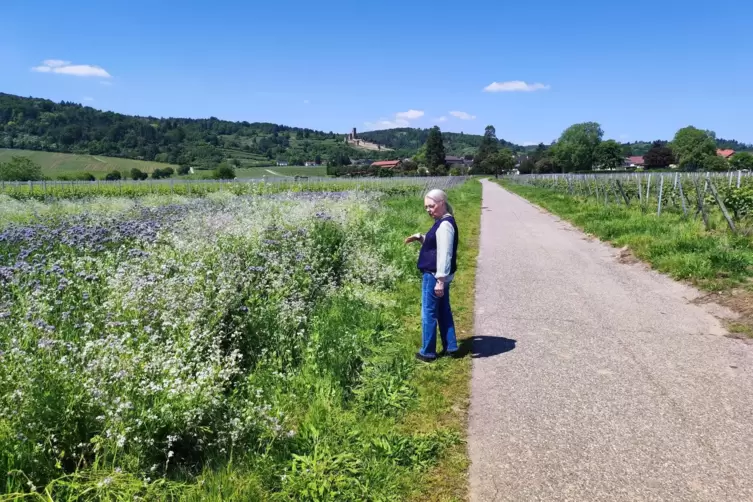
{"points": [[486, 346]]}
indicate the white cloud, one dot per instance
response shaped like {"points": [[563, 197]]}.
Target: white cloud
{"points": [[66, 68], [55, 63], [515, 86], [442, 119], [401, 120], [87, 98], [409, 115], [463, 115], [387, 124], [306, 101]]}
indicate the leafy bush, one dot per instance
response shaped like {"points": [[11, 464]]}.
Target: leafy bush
{"points": [[137, 174], [224, 172], [85, 177], [113, 176], [20, 168], [160, 173], [183, 170]]}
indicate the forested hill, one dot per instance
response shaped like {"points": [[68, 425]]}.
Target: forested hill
{"points": [[408, 140], [41, 124]]}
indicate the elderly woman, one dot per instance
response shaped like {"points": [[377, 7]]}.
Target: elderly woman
{"points": [[437, 262]]}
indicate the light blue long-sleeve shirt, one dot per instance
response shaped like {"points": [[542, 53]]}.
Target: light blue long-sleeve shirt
{"points": [[445, 239]]}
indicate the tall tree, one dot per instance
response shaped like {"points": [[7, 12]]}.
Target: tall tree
{"points": [[742, 160], [660, 156], [435, 149], [499, 162], [489, 145], [609, 155], [576, 147], [692, 146]]}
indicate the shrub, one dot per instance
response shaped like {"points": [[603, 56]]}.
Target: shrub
{"points": [[85, 177], [160, 173], [20, 169], [138, 174], [224, 172], [113, 176], [183, 170]]}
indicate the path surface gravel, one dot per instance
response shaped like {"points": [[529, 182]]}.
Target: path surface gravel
{"points": [[596, 380]]}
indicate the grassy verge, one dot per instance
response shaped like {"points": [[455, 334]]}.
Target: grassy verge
{"points": [[292, 324], [715, 261]]}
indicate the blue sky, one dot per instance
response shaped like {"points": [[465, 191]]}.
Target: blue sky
{"points": [[642, 69]]}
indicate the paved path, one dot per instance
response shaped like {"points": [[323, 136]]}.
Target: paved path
{"points": [[595, 380]]}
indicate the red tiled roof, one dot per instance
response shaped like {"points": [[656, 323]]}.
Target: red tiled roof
{"points": [[725, 153], [636, 159], [386, 163]]}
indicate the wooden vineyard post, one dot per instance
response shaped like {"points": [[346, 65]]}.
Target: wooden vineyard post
{"points": [[739, 174], [701, 207], [719, 201], [640, 189], [622, 191], [730, 179], [682, 201], [661, 192], [648, 189]]}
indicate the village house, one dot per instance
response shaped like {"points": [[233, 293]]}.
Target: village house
{"points": [[310, 163], [634, 161], [453, 160], [726, 154], [282, 162], [387, 164]]}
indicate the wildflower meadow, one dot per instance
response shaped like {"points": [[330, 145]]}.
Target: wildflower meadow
{"points": [[223, 347]]}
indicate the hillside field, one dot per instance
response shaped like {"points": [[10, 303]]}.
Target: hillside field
{"points": [[59, 164]]}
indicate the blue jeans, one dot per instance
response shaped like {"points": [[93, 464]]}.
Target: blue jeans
{"points": [[436, 311]]}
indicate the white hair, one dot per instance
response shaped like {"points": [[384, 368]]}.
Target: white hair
{"points": [[438, 195]]}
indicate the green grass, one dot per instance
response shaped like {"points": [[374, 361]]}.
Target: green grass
{"points": [[67, 164], [370, 422], [714, 260], [260, 172]]}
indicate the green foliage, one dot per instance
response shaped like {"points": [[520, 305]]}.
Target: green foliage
{"points": [[137, 174], [742, 160], [498, 162], [691, 147], [659, 156], [161, 173], [608, 155], [184, 170], [113, 176], [224, 172], [489, 145], [435, 153], [39, 124], [20, 169], [715, 163], [577, 146]]}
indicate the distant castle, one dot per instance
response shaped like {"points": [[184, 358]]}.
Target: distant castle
{"points": [[352, 136]]}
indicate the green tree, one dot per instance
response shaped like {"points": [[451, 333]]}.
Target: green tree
{"points": [[692, 146], [609, 155], [489, 145], [660, 156], [546, 165], [223, 171], [499, 162], [20, 168], [435, 153], [113, 176], [137, 174], [742, 160], [576, 148], [715, 163], [318, 159]]}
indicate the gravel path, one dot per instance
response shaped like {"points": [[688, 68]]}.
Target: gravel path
{"points": [[596, 380]]}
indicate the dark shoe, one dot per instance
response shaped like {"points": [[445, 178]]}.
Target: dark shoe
{"points": [[424, 358], [455, 354]]}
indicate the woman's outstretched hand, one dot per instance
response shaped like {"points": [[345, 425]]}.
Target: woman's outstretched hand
{"points": [[412, 238]]}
